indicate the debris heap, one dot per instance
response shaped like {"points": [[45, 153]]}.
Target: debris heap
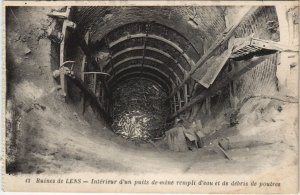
{"points": [[139, 111]]}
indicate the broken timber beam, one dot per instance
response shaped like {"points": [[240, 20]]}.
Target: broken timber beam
{"points": [[248, 45], [226, 35], [66, 24], [232, 75], [94, 100]]}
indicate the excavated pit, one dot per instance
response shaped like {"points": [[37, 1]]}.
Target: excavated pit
{"points": [[145, 54]]}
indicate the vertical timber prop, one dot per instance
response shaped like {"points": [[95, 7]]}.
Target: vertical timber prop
{"points": [[59, 35], [62, 37]]}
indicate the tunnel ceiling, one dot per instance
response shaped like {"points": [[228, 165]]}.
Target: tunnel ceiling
{"points": [[157, 43]]}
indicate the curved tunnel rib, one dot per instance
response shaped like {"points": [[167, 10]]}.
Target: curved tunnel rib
{"points": [[170, 76], [158, 62], [142, 67], [147, 48], [145, 70], [140, 58], [125, 79], [151, 58], [136, 43], [150, 76], [158, 38]]}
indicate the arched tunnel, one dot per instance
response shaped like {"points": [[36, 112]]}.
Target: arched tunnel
{"points": [[153, 85], [141, 51], [145, 49]]}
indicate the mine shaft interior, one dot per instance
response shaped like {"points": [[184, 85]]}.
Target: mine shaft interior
{"points": [[155, 85]]}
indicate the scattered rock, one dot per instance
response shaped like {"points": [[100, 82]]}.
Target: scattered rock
{"points": [[39, 106], [27, 51], [28, 109], [40, 171], [75, 114]]}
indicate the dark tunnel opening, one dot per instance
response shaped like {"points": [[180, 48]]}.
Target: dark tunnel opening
{"points": [[139, 110]]}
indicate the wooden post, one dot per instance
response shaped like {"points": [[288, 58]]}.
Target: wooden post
{"points": [[83, 66], [179, 99], [174, 103], [185, 93], [95, 83]]}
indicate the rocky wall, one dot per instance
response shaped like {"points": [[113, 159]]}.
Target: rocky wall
{"points": [[34, 106]]}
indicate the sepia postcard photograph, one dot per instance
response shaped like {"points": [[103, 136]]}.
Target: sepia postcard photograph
{"points": [[150, 96]]}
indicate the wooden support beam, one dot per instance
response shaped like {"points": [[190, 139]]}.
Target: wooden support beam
{"points": [[174, 103], [98, 73], [159, 38], [83, 67], [144, 53], [242, 67], [152, 49], [185, 94], [61, 15], [225, 36], [162, 77], [145, 66], [65, 34], [145, 45], [152, 77], [94, 100], [159, 63], [83, 43], [95, 82], [179, 99], [110, 54]]}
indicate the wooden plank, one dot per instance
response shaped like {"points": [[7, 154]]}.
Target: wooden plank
{"points": [[229, 76], [83, 66], [185, 93], [227, 34], [208, 72], [98, 73], [66, 23], [174, 103], [95, 82], [179, 99]]}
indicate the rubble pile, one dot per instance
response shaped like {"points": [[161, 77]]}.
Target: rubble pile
{"points": [[139, 111]]}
